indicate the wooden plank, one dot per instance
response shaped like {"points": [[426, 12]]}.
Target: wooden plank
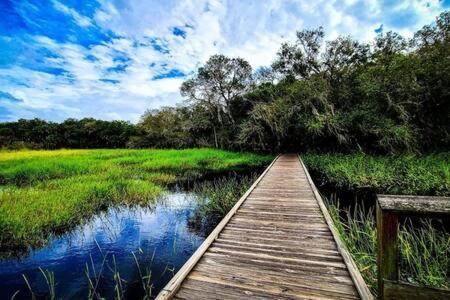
{"points": [[293, 252], [389, 209], [406, 291], [223, 291], [262, 285], [308, 284], [412, 205], [294, 274], [174, 284], [277, 265]]}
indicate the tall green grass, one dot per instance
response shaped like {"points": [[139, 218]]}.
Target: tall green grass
{"points": [[404, 174], [218, 196], [46, 192], [425, 250]]}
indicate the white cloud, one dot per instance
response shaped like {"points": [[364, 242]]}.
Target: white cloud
{"points": [[114, 79], [79, 19]]}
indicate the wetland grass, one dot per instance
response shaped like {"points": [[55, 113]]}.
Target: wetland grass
{"points": [[48, 192], [218, 196], [402, 174], [425, 249]]}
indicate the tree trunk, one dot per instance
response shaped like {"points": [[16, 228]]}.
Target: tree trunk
{"points": [[215, 137]]}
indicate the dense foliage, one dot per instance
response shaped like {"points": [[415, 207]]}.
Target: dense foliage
{"points": [[43, 192], [390, 96], [84, 133]]}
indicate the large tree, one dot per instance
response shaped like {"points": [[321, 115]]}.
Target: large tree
{"points": [[216, 86], [220, 81], [300, 58]]}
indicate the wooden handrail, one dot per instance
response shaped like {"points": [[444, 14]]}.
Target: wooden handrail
{"points": [[389, 209]]}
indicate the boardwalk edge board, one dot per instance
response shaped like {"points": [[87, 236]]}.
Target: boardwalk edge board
{"points": [[359, 282], [174, 284]]}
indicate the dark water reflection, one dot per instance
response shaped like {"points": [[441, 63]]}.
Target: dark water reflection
{"points": [[162, 237]]}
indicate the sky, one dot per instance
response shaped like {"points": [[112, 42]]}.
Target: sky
{"points": [[115, 59]]}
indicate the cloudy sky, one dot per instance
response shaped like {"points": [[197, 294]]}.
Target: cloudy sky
{"points": [[115, 59]]}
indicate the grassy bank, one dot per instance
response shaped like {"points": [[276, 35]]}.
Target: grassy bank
{"points": [[45, 192], [425, 251], [405, 174]]}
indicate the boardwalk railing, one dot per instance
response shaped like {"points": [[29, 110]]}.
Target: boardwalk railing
{"points": [[389, 209]]}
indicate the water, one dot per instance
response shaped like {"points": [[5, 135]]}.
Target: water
{"points": [[162, 237]]}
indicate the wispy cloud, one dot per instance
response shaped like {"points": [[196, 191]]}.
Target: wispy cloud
{"points": [[79, 19], [115, 59], [8, 97]]}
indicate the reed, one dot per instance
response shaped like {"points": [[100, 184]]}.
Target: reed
{"points": [[217, 197], [425, 249]]}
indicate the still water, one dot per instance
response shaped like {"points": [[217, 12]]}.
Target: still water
{"points": [[120, 251]]}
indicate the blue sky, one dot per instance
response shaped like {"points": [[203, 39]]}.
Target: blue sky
{"points": [[114, 59]]}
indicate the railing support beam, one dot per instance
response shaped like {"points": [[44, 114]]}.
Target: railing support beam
{"points": [[387, 247]]}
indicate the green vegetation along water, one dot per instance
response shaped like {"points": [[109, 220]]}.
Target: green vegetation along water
{"points": [[120, 253], [424, 246], [351, 182], [47, 192], [401, 174]]}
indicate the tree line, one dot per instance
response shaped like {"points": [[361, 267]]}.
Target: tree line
{"points": [[388, 96], [84, 133]]}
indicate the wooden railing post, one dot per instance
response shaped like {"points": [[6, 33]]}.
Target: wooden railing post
{"points": [[387, 248], [389, 209]]}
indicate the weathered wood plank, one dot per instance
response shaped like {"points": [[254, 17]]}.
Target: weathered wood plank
{"points": [[414, 204], [405, 291], [360, 285], [292, 273], [387, 247], [389, 210], [276, 243], [278, 265]]}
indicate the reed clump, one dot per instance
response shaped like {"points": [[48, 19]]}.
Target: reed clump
{"points": [[425, 248], [218, 196]]}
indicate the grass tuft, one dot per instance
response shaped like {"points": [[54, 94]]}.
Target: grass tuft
{"points": [[217, 197]]}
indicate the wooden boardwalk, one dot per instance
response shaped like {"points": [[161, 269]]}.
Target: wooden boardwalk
{"points": [[276, 243]]}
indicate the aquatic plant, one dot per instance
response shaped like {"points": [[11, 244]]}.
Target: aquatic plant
{"points": [[425, 250], [217, 197]]}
